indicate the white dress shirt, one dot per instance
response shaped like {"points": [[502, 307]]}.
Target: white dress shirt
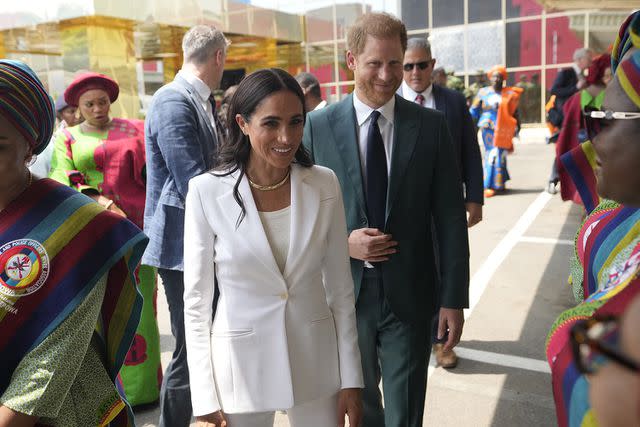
{"points": [[410, 95], [203, 91], [385, 123]]}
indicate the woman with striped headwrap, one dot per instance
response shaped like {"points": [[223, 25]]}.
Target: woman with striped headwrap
{"points": [[68, 300], [585, 338]]}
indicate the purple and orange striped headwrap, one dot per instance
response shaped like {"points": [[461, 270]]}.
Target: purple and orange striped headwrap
{"points": [[628, 71], [26, 104]]}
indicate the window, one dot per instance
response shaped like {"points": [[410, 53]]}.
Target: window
{"points": [[415, 14], [563, 38], [484, 10], [524, 46], [448, 12]]}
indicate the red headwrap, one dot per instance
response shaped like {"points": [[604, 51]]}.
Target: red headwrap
{"points": [[89, 81], [597, 68]]}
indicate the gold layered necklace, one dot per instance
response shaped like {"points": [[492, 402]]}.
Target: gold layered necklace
{"points": [[270, 187]]}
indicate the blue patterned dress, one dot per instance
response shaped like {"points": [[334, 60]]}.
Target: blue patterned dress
{"points": [[484, 110]]}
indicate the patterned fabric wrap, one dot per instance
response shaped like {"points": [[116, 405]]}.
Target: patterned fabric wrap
{"points": [[26, 104], [625, 39], [628, 71], [570, 137], [579, 163], [112, 163], [55, 244], [608, 247]]}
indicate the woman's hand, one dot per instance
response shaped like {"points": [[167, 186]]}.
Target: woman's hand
{"points": [[350, 404], [215, 419]]}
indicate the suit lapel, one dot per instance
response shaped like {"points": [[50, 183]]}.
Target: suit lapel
{"points": [[344, 125], [439, 99], [405, 134], [250, 232], [195, 98], [305, 205]]}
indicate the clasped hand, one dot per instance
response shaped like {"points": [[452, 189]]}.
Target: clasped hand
{"points": [[371, 244]]}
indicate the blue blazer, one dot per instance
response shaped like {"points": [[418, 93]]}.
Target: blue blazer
{"points": [[180, 143], [464, 138]]}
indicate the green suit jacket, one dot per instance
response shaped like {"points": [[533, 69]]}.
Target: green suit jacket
{"points": [[424, 186]]}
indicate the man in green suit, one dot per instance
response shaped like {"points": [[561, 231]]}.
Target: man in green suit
{"points": [[397, 170]]}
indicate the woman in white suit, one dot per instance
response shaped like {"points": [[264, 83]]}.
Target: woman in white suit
{"points": [[269, 228]]}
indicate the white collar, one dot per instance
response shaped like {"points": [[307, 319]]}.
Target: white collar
{"points": [[363, 111], [203, 90], [410, 94], [576, 69]]}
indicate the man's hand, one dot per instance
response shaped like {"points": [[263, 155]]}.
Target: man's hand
{"points": [[350, 404], [453, 320], [475, 213], [371, 244], [215, 419]]}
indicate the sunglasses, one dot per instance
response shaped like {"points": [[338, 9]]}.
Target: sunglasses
{"points": [[594, 341], [421, 65], [597, 120]]}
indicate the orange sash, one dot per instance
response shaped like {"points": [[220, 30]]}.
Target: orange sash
{"points": [[506, 123]]}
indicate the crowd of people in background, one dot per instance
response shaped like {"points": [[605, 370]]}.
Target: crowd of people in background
{"points": [[309, 251]]}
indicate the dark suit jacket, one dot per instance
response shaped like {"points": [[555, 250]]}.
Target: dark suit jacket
{"points": [[464, 138], [564, 86], [180, 143], [424, 183]]}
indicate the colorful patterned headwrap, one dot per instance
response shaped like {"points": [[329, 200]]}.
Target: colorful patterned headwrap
{"points": [[26, 104], [500, 69], [628, 71]]}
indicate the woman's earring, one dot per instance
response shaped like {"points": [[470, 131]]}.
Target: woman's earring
{"points": [[31, 161]]}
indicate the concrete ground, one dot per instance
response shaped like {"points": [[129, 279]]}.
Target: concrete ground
{"points": [[519, 267]]}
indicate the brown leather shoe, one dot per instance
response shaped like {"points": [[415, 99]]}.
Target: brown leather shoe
{"points": [[446, 359]]}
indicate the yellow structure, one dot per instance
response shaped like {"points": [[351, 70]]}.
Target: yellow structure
{"points": [[138, 42]]}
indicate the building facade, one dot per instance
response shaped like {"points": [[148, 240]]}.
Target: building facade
{"points": [[138, 43]]}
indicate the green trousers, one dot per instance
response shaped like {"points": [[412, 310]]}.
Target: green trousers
{"points": [[392, 351]]}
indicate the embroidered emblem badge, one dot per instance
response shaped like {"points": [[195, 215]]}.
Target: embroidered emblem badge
{"points": [[24, 267]]}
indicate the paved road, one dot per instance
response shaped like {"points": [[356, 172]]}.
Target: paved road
{"points": [[519, 269]]}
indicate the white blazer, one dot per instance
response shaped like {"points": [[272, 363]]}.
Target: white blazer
{"points": [[278, 339]]}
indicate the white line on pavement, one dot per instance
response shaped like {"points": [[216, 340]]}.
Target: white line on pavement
{"points": [[481, 279], [546, 240], [503, 360]]}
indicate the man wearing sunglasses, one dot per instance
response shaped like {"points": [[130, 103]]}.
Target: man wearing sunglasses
{"points": [[417, 86]]}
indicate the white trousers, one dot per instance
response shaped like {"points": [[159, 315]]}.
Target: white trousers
{"points": [[317, 413]]}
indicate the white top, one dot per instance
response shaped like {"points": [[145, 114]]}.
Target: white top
{"points": [[203, 91], [410, 95], [277, 225], [385, 123]]}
